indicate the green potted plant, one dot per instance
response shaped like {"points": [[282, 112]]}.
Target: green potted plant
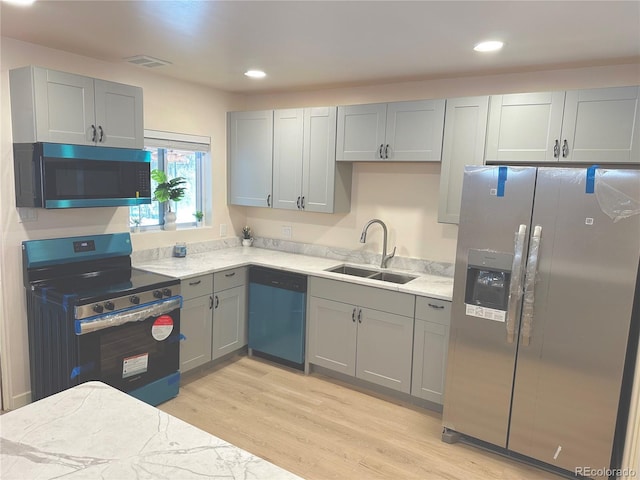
{"points": [[136, 225], [247, 239], [199, 217], [166, 192]]}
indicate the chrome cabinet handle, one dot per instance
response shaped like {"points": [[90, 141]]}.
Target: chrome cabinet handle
{"points": [[302, 203], [269, 200], [229, 274], [515, 287], [386, 151], [101, 139], [353, 316], [360, 316], [380, 151], [94, 133], [298, 203], [529, 286], [439, 307], [556, 149], [565, 148], [195, 283]]}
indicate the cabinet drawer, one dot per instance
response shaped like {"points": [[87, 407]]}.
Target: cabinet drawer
{"points": [[197, 286], [234, 277], [432, 310]]}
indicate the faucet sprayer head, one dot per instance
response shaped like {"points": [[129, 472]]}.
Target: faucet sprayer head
{"points": [[363, 237]]}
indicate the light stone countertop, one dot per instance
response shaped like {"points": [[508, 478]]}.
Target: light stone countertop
{"points": [[96, 431], [192, 265]]}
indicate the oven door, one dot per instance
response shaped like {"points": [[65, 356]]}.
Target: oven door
{"points": [[130, 354]]}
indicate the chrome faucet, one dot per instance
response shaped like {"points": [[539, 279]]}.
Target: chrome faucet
{"points": [[363, 239]]}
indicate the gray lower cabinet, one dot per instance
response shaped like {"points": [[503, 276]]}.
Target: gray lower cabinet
{"points": [[430, 343], [229, 312], [361, 331], [195, 321]]}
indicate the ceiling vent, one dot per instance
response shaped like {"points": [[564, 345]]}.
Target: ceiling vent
{"points": [[147, 61]]}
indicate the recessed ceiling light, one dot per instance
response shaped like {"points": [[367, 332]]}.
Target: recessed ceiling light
{"points": [[489, 46], [255, 74], [21, 3]]}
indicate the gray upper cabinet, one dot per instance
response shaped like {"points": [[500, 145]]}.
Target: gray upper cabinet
{"points": [[58, 107], [400, 131], [465, 129], [598, 125], [300, 158], [250, 145]]}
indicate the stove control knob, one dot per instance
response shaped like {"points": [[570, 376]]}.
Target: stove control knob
{"points": [[134, 299], [98, 308], [157, 294], [166, 292], [109, 305]]}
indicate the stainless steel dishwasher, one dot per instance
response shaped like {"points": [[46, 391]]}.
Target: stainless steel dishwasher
{"points": [[277, 312]]}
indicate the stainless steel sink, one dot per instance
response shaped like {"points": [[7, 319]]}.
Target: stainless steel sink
{"points": [[355, 271], [391, 277]]}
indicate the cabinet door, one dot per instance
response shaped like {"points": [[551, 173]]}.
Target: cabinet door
{"points": [[319, 159], [250, 145], [384, 347], [465, 129], [287, 158], [332, 335], [430, 346], [64, 105], [195, 325], [119, 115], [602, 125], [525, 127], [361, 130], [229, 321], [414, 131]]}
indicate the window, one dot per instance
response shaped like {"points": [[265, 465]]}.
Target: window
{"points": [[178, 155]]}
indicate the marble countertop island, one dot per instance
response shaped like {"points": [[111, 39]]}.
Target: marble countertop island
{"points": [[95, 431], [192, 265]]}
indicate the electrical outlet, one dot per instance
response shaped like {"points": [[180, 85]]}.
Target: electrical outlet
{"points": [[286, 231], [223, 229]]}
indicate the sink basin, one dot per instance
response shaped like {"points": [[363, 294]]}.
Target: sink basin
{"points": [[392, 277], [355, 271], [372, 274]]}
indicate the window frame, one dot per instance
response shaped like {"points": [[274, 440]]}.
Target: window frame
{"points": [[201, 146]]}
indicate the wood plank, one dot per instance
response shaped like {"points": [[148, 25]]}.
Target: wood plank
{"points": [[321, 428]]}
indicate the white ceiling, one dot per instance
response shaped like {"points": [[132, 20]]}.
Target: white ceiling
{"points": [[316, 44]]}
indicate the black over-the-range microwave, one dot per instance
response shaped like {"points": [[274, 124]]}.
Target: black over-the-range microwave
{"points": [[53, 175]]}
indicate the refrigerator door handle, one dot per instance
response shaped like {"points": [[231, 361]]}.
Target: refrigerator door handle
{"points": [[529, 286], [515, 286]]}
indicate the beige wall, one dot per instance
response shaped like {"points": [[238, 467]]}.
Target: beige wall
{"points": [[404, 195], [169, 105]]}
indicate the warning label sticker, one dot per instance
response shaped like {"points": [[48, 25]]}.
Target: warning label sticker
{"points": [[162, 327], [484, 312], [135, 365]]}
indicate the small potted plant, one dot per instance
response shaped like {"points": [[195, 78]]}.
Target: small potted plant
{"points": [[168, 191], [136, 225], [199, 217], [247, 239]]}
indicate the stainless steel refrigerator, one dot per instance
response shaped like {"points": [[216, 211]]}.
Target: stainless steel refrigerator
{"points": [[543, 320]]}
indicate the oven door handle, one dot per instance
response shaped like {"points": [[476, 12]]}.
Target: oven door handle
{"points": [[133, 314]]}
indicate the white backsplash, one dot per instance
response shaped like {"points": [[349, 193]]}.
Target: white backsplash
{"points": [[342, 254]]}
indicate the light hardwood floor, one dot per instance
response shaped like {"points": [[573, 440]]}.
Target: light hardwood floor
{"points": [[319, 428]]}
